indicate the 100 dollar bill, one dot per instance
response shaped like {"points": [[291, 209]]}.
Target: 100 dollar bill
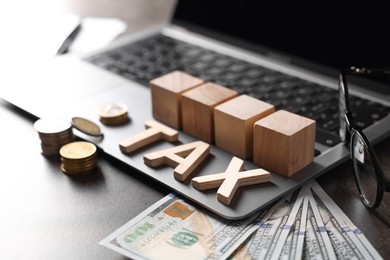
{"points": [[305, 224], [172, 228]]}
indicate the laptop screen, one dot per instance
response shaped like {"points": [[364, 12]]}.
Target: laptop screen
{"points": [[330, 34]]}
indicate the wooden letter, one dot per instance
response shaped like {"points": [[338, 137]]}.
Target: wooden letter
{"points": [[153, 133], [229, 181], [184, 158]]}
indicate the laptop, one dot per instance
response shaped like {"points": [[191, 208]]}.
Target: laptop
{"points": [[287, 54]]}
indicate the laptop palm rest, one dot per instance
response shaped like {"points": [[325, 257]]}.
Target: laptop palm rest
{"points": [[138, 100], [79, 89]]}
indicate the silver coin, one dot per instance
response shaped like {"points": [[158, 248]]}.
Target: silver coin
{"points": [[112, 110], [51, 126]]}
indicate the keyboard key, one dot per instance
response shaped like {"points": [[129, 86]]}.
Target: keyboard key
{"points": [[327, 138]]}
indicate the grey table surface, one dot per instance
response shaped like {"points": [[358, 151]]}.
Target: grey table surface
{"points": [[46, 214]]}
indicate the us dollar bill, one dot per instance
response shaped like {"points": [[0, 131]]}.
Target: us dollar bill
{"points": [[174, 228], [318, 244], [294, 245], [273, 230], [306, 224], [347, 240], [286, 241]]}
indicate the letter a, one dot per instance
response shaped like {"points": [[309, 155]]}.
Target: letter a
{"points": [[184, 158]]}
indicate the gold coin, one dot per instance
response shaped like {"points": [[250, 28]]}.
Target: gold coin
{"points": [[86, 126], [78, 162], [78, 157], [114, 109], [113, 113], [75, 171], [78, 150], [115, 120], [81, 166]]}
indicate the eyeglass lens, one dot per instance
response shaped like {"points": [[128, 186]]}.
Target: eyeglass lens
{"points": [[364, 170]]}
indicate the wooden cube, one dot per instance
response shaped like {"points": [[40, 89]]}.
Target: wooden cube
{"points": [[198, 109], [233, 124], [283, 142], [166, 94]]}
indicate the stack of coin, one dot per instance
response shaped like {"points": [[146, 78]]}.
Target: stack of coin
{"points": [[53, 134], [78, 157], [113, 113]]}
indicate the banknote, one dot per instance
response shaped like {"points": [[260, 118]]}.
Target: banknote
{"points": [[348, 241], [273, 230], [173, 229], [318, 244], [293, 247], [343, 245], [306, 224], [287, 229]]}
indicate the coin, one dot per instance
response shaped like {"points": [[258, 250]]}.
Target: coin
{"points": [[54, 133], [73, 171], [86, 126], [113, 113], [50, 150], [57, 139], [78, 157], [78, 150], [51, 126]]}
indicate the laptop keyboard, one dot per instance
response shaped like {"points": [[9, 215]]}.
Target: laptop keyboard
{"points": [[149, 58]]}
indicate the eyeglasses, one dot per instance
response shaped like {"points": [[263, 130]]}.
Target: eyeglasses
{"points": [[369, 175]]}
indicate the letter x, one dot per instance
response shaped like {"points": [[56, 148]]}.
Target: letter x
{"points": [[229, 181]]}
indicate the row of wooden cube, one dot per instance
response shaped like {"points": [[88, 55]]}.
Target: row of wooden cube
{"points": [[242, 125]]}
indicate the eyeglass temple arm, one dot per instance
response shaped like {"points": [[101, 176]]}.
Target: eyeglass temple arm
{"points": [[367, 71]]}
